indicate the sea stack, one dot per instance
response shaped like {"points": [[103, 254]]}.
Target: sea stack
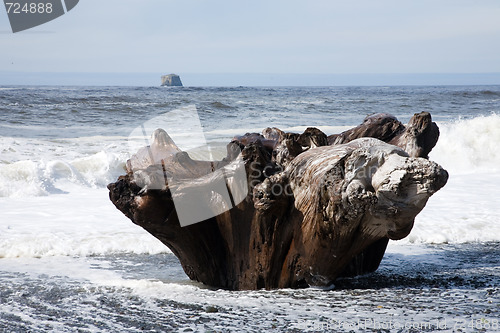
{"points": [[171, 80]]}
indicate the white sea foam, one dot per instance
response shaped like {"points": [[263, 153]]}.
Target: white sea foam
{"points": [[53, 199], [465, 210], [39, 178], [108, 293], [82, 222], [469, 146]]}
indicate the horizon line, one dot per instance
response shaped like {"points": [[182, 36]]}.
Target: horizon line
{"points": [[141, 79]]}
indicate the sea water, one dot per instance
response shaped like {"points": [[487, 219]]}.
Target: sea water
{"points": [[70, 261]]}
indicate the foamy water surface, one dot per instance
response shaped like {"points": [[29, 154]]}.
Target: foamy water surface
{"points": [[69, 261]]}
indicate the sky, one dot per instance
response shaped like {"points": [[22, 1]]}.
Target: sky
{"points": [[255, 37]]}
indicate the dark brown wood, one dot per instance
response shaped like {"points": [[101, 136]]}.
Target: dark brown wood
{"points": [[381, 126], [313, 212]]}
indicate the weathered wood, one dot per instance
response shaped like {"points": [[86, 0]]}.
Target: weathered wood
{"points": [[417, 139], [381, 126], [313, 212]]}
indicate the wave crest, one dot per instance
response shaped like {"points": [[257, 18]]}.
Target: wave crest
{"points": [[469, 145], [41, 178]]}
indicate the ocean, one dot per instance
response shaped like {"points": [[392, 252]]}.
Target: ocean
{"points": [[71, 262]]}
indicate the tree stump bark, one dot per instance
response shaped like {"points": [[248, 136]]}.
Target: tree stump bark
{"points": [[311, 208]]}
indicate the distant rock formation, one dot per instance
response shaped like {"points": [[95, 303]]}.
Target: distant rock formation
{"points": [[313, 211], [171, 80]]}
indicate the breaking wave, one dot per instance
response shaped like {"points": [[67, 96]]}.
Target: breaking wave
{"points": [[41, 178], [469, 145]]}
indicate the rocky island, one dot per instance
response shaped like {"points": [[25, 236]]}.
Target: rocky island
{"points": [[312, 208], [171, 80]]}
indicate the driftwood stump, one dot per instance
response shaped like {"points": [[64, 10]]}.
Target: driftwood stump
{"points": [[311, 208]]}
